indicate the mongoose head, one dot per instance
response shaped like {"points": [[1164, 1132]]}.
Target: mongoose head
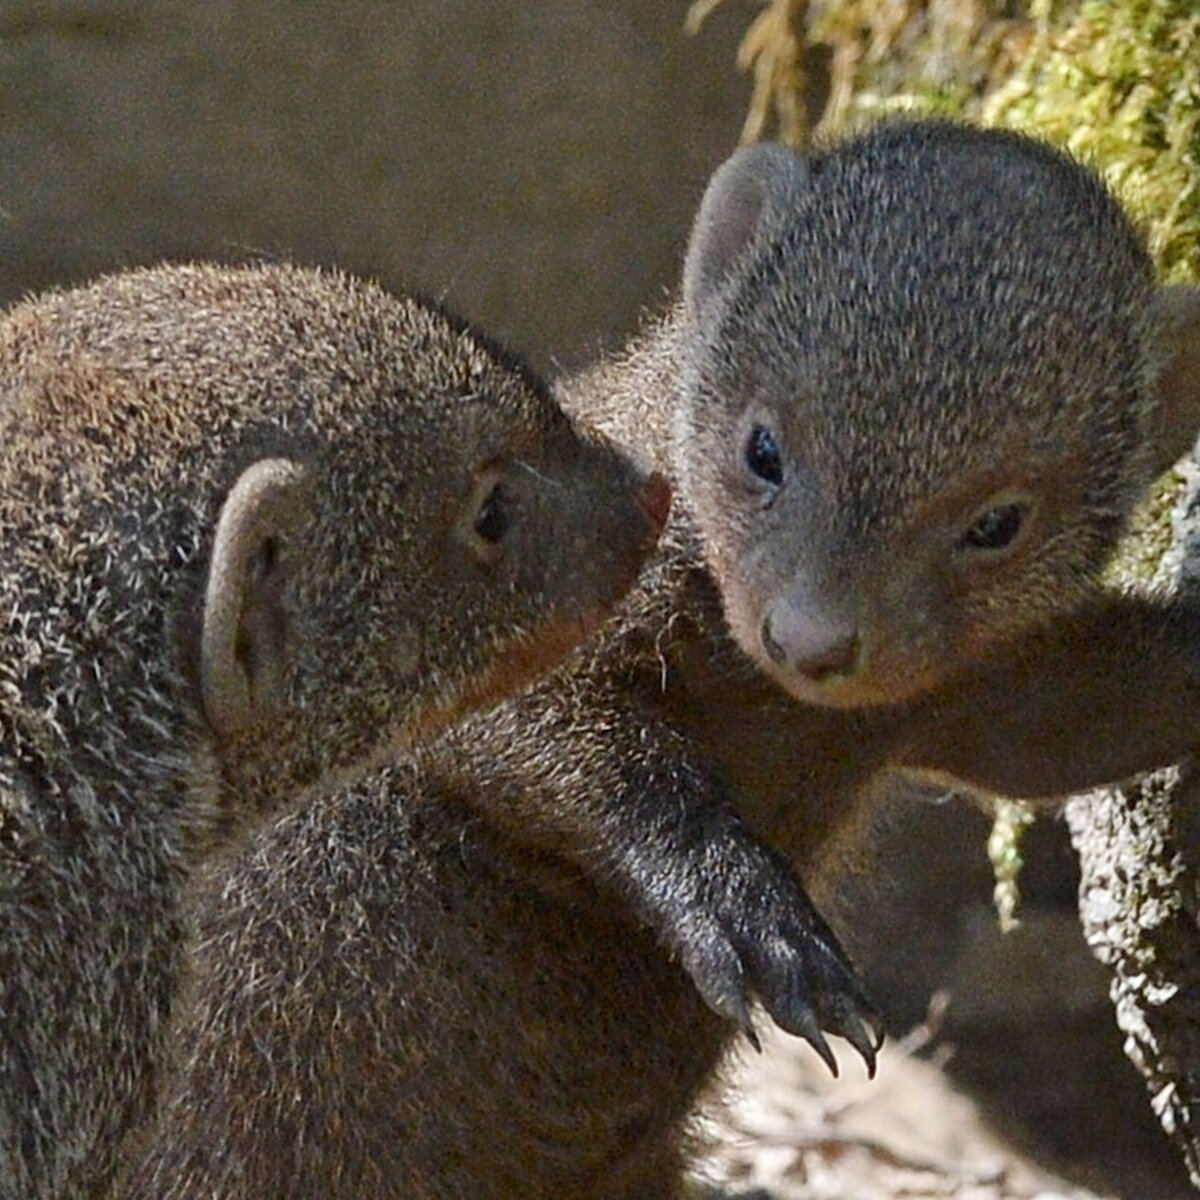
{"points": [[927, 376], [315, 516]]}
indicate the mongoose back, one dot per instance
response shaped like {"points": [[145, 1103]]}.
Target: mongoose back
{"points": [[258, 526], [909, 397]]}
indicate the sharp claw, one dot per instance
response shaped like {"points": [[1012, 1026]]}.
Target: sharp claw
{"points": [[862, 1038], [856, 1020], [719, 977], [730, 1003], [752, 1036], [807, 1027], [863, 1010], [875, 1021], [735, 1010]]}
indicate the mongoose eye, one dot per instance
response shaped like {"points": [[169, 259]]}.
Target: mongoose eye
{"points": [[494, 516], [762, 456], [996, 528]]}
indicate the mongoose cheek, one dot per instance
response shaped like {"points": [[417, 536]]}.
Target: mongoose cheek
{"points": [[568, 520], [543, 548], [613, 542], [602, 539]]}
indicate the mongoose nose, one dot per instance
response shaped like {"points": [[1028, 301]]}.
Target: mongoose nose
{"points": [[775, 652], [809, 648]]}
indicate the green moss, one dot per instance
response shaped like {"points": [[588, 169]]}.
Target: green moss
{"points": [[1139, 560], [1010, 820], [1117, 82]]}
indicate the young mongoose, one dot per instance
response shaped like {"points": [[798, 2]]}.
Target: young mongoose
{"points": [[911, 393], [257, 527]]}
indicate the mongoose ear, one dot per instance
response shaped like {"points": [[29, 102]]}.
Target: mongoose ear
{"points": [[243, 643], [1175, 354], [747, 190]]}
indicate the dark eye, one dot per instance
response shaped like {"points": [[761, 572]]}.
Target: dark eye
{"points": [[996, 528], [762, 456], [494, 516]]}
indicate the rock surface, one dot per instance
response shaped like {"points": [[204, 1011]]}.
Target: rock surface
{"points": [[1139, 850]]}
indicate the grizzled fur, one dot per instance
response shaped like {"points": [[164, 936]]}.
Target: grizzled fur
{"points": [[128, 412], [462, 979], [930, 365]]}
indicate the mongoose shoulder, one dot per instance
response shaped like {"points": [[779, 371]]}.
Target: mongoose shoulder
{"points": [[909, 397], [258, 527]]}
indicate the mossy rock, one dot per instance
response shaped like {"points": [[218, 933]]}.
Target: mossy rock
{"points": [[1115, 82]]}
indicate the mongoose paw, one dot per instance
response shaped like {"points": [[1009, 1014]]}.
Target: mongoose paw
{"points": [[763, 937]]}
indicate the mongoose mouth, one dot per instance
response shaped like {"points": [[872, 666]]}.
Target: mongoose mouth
{"points": [[852, 689], [654, 497]]}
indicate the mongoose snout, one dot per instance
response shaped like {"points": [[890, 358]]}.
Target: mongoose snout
{"points": [[805, 643]]}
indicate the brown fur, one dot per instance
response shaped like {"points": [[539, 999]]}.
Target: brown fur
{"points": [[239, 522], [447, 983]]}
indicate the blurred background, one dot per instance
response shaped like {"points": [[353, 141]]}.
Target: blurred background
{"points": [[535, 164]]}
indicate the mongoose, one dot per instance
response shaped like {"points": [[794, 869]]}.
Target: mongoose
{"points": [[259, 526], [909, 396]]}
